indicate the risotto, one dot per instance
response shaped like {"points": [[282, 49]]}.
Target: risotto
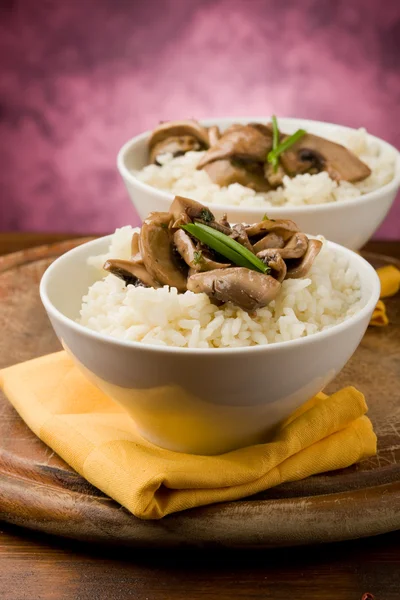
{"points": [[180, 175], [329, 294]]}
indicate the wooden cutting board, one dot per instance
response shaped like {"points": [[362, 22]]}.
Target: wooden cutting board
{"points": [[38, 490]]}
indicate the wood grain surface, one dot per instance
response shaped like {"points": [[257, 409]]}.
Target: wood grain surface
{"points": [[38, 490], [37, 566]]}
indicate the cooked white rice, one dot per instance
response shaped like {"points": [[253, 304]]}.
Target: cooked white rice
{"points": [[330, 294], [179, 176]]}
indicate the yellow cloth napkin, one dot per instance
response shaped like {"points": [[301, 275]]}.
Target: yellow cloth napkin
{"points": [[379, 317], [390, 280], [390, 284], [100, 441]]}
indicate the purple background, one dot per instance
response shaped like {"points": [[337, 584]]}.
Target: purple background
{"points": [[80, 77]]}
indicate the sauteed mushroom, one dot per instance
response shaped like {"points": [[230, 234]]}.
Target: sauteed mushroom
{"points": [[273, 259], [195, 258], [296, 247], [136, 256], [177, 137], [157, 251], [245, 288], [241, 153], [175, 145], [184, 210], [285, 228], [188, 249], [225, 172], [239, 233], [271, 240], [213, 135], [312, 152], [304, 264], [132, 274], [245, 142], [238, 156]]}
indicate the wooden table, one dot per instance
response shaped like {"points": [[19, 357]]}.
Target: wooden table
{"points": [[35, 567]]}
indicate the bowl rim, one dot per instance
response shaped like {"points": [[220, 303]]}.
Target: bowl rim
{"points": [[364, 198], [56, 314]]}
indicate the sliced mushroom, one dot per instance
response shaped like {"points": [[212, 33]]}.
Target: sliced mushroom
{"points": [[243, 287], [184, 210], [239, 234], [136, 257], [296, 247], [194, 258], [213, 135], [232, 128], [157, 252], [271, 240], [176, 145], [285, 228], [132, 274], [304, 264], [224, 173], [179, 128], [313, 153], [264, 129], [227, 230], [224, 221], [243, 142], [273, 259]]}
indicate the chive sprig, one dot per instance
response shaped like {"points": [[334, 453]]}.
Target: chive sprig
{"points": [[226, 246], [277, 148]]}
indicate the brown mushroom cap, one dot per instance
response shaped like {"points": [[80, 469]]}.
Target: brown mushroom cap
{"points": [[264, 129], [285, 228], [136, 257], [177, 137], [195, 259], [224, 172], [157, 251], [240, 235], [314, 152], [243, 287], [243, 142], [184, 210], [224, 221], [226, 229], [273, 259], [131, 273], [296, 247], [176, 145], [177, 129], [231, 128], [304, 264], [271, 240], [214, 135]]}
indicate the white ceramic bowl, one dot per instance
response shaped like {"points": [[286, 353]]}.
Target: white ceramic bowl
{"points": [[349, 222], [203, 401]]}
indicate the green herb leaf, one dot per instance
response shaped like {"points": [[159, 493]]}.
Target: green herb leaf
{"points": [[226, 246], [206, 215], [197, 257], [285, 145], [275, 142], [275, 133], [267, 218]]}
